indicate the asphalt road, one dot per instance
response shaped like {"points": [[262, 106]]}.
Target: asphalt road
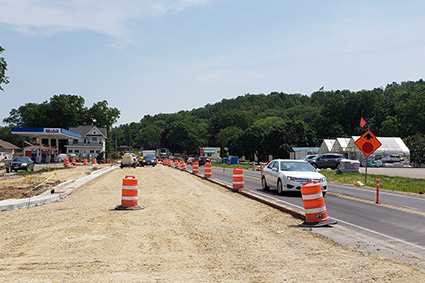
{"points": [[398, 220]]}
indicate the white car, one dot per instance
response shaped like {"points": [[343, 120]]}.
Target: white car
{"points": [[290, 175]]}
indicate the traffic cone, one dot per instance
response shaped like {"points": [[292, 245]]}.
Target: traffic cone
{"points": [[314, 206], [207, 170], [238, 179], [129, 198]]}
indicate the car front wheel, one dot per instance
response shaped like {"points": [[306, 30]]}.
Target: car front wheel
{"points": [[264, 184], [279, 187]]}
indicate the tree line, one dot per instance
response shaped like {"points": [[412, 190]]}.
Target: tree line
{"points": [[260, 125], [253, 125]]}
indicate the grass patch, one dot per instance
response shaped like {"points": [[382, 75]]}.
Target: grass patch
{"points": [[391, 183], [26, 173]]}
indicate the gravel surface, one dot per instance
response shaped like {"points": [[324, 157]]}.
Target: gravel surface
{"points": [[189, 231]]}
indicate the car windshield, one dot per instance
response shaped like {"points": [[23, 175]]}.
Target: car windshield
{"points": [[296, 166], [20, 159], [149, 157]]}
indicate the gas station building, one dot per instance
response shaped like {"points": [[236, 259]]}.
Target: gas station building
{"points": [[46, 142]]}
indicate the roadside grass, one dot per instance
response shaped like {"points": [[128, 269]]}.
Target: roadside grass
{"points": [[26, 173], [391, 183]]}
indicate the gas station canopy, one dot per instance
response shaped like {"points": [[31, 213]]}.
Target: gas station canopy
{"points": [[45, 133]]}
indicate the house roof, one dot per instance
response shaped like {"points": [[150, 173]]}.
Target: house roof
{"points": [[89, 131], [7, 145]]}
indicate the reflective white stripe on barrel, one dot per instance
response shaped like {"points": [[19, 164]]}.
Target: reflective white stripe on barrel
{"points": [[315, 210], [129, 198], [129, 187], [314, 196]]}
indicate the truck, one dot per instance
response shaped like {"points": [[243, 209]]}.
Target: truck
{"points": [[149, 158], [162, 153], [148, 152]]}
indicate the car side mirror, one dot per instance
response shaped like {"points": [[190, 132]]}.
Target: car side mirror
{"points": [[274, 169]]}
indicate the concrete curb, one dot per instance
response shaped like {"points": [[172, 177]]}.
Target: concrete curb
{"points": [[57, 193]]}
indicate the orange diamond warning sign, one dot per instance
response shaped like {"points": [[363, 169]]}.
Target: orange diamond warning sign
{"points": [[368, 143]]}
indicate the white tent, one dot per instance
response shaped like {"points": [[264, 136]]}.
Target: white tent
{"points": [[326, 145], [392, 150], [340, 145]]}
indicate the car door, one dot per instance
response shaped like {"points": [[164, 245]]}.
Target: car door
{"points": [[270, 175], [274, 173]]}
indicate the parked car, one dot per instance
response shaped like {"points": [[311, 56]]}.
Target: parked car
{"points": [[149, 160], [326, 160], [290, 175], [22, 163]]}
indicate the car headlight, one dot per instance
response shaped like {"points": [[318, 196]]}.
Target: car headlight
{"points": [[289, 178], [24, 164], [322, 180]]}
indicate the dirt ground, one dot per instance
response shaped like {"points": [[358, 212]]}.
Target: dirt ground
{"points": [[189, 231], [19, 186]]}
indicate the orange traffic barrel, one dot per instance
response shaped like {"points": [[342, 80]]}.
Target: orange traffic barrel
{"points": [[176, 164], [182, 165], [238, 179], [195, 167], [314, 206], [94, 161], [66, 162], [129, 198], [73, 161], [85, 161], [207, 170]]}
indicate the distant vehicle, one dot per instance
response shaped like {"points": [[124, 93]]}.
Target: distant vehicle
{"points": [[22, 163], [134, 157], [202, 160], [148, 160], [61, 157], [308, 157], [190, 160], [148, 152], [290, 175], [162, 153], [128, 161], [326, 160]]}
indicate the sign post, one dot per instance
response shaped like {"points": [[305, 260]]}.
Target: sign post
{"points": [[367, 144]]}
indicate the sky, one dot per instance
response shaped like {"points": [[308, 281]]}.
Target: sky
{"points": [[147, 57]]}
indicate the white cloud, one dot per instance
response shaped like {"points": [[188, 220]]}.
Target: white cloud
{"points": [[110, 17]]}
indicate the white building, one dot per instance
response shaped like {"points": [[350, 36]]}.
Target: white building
{"points": [[91, 144]]}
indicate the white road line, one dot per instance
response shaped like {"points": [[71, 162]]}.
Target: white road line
{"points": [[353, 225]]}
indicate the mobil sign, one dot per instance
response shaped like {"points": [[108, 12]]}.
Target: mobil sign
{"points": [[52, 130]]}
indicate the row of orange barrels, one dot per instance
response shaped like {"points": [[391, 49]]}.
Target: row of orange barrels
{"points": [[238, 176], [74, 162]]}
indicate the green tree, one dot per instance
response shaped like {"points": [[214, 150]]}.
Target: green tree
{"points": [[103, 116], [3, 68], [416, 144], [228, 137]]}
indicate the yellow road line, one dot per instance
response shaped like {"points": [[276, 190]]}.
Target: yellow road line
{"points": [[409, 210]]}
